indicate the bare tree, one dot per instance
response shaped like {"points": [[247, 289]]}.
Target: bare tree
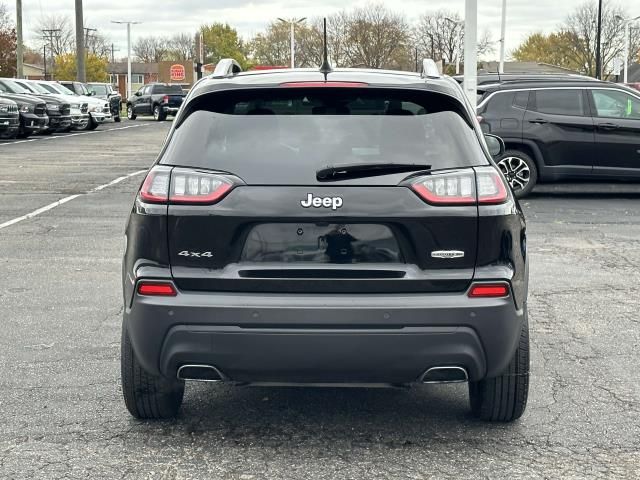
{"points": [[62, 40], [150, 49], [180, 47], [375, 36]]}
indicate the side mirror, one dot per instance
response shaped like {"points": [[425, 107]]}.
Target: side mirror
{"points": [[495, 144], [138, 93]]}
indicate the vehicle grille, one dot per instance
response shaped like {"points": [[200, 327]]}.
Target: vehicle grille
{"points": [[40, 109], [13, 109], [84, 108], [66, 109]]}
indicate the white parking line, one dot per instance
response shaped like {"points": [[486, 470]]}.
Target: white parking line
{"points": [[74, 134], [64, 200]]}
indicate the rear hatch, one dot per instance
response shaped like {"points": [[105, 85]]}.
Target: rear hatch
{"points": [[272, 191], [172, 95]]}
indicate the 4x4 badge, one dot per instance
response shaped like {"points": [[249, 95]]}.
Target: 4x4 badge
{"points": [[447, 254], [316, 202]]}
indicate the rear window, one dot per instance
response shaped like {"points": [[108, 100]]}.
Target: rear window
{"points": [[167, 90], [291, 133]]}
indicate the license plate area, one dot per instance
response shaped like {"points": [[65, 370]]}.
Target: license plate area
{"points": [[321, 243]]}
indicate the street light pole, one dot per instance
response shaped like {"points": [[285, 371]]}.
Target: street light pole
{"points": [[503, 32], [128, 23], [471, 49], [293, 22]]}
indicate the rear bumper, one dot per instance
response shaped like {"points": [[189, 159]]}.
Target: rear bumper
{"points": [[170, 110], [324, 338]]}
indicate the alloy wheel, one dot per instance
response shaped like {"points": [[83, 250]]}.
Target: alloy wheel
{"points": [[517, 172]]}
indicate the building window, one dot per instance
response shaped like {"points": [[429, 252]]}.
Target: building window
{"points": [[113, 79], [137, 78]]}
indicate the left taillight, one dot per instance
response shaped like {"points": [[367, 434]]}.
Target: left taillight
{"points": [[184, 186], [165, 99], [157, 289], [484, 186]]}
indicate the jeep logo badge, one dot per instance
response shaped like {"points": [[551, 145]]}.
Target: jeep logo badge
{"points": [[316, 202]]}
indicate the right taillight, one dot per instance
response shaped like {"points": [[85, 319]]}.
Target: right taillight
{"points": [[184, 186], [483, 186]]}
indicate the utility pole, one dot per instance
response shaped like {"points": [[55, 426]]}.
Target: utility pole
{"points": [[128, 23], [471, 49], [44, 59], [19, 46], [86, 38], [503, 33], [598, 40], [81, 74], [113, 51], [49, 35]]}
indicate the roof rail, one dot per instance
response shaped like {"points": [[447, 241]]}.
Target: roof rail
{"points": [[430, 69], [226, 67]]}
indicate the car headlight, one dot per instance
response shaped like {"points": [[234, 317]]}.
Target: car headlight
{"points": [[95, 109], [75, 106], [53, 107], [27, 108], [4, 108]]}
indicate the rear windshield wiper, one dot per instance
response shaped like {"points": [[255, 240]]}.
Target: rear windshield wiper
{"points": [[363, 170]]}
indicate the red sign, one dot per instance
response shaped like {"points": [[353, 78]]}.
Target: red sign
{"points": [[177, 73]]}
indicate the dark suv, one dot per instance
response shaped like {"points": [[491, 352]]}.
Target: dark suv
{"points": [[564, 130], [345, 227]]}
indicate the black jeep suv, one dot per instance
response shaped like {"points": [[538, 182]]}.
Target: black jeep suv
{"points": [[559, 130], [345, 227]]}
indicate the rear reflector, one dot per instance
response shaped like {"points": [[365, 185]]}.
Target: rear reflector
{"points": [[324, 84], [157, 289], [489, 290]]}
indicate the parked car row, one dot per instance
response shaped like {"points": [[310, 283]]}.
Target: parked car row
{"points": [[46, 107], [559, 127]]}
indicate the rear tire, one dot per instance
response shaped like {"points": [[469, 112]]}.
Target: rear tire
{"points": [[158, 114], [504, 398], [520, 171], [147, 396]]}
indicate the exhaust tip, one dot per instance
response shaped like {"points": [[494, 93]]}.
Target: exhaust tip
{"points": [[200, 373], [445, 375]]}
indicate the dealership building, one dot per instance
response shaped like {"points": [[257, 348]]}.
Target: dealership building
{"points": [[180, 73]]}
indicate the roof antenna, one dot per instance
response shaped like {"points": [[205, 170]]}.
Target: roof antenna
{"points": [[326, 66]]}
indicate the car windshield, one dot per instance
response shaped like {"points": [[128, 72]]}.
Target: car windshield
{"points": [[37, 88], [13, 87], [49, 88], [62, 89], [297, 134], [98, 89]]}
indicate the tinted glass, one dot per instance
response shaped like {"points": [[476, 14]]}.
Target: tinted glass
{"points": [[560, 102], [167, 90], [290, 136], [616, 104], [9, 86], [99, 89], [521, 100]]}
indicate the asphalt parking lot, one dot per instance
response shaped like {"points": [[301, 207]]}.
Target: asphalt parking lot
{"points": [[61, 411]]}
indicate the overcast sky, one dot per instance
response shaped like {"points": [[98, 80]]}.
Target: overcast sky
{"points": [[251, 16]]}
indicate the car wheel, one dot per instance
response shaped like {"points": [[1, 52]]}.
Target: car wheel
{"points": [[158, 114], [130, 113], [147, 396], [520, 171], [504, 398]]}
